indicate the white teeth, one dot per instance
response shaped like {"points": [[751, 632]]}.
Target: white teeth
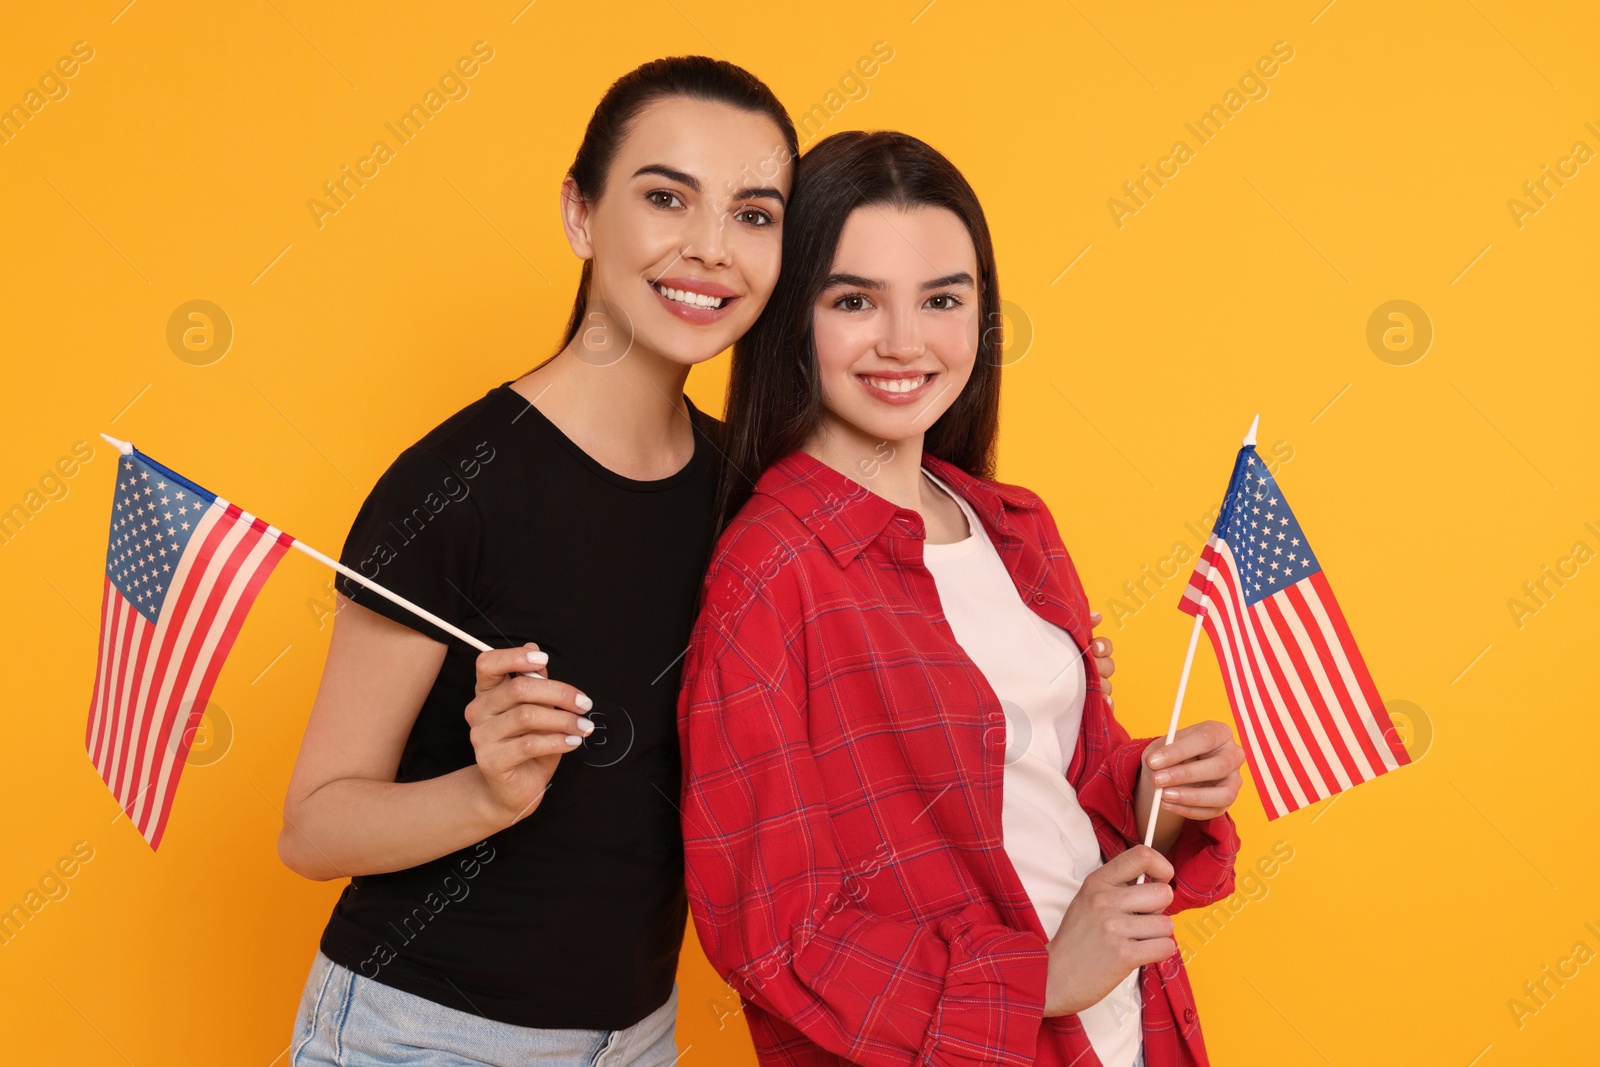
{"points": [[897, 385], [683, 296]]}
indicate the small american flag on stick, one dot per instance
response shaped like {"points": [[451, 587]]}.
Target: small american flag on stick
{"points": [[182, 568], [1309, 715]]}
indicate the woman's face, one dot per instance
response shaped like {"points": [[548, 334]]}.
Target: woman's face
{"points": [[896, 326], [686, 237]]}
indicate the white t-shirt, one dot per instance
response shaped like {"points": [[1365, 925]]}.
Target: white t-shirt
{"points": [[1036, 669]]}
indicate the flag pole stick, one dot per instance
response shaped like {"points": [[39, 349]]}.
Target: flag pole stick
{"points": [[420, 612], [1172, 731], [1183, 683], [126, 449]]}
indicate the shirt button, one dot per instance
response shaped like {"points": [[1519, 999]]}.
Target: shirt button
{"points": [[1188, 1015], [1038, 598]]}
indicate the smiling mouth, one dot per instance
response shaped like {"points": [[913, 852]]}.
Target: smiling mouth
{"points": [[689, 299], [896, 385]]}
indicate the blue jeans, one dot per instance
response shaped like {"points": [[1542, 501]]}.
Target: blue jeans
{"points": [[349, 1020]]}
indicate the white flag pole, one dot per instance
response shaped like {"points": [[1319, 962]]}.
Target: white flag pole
{"points": [[1172, 731], [1183, 684], [422, 613]]}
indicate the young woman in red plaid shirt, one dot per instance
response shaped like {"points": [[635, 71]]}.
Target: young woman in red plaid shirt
{"points": [[912, 826]]}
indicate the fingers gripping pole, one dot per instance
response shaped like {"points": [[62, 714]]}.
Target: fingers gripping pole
{"points": [[1172, 730]]}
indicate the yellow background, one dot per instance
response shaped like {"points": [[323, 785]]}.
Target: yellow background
{"points": [[1377, 167]]}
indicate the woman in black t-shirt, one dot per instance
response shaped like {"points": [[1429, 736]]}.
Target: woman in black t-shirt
{"points": [[509, 820]]}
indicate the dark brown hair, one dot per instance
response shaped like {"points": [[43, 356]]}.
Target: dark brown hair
{"points": [[774, 398], [697, 77]]}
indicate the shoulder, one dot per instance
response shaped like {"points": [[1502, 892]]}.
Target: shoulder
{"points": [[1013, 496], [1018, 496], [476, 434], [441, 467], [411, 477], [750, 632], [756, 585], [1036, 521], [1031, 513], [762, 541], [419, 530], [456, 448]]}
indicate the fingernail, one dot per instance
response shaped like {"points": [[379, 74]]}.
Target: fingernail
{"points": [[587, 726], [538, 659], [573, 740], [584, 703], [1162, 778], [1157, 760]]}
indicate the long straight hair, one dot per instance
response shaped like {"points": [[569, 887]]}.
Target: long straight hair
{"points": [[774, 393], [696, 77]]}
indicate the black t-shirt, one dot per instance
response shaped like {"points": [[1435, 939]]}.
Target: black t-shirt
{"points": [[498, 523]]}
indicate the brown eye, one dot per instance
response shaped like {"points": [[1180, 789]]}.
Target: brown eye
{"points": [[663, 198]]}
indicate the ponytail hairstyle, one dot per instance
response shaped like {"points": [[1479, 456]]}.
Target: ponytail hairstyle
{"points": [[696, 77], [774, 396]]}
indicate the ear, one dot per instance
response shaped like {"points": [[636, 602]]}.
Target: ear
{"points": [[575, 219]]}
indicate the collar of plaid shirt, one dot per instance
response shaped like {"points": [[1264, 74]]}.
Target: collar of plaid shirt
{"points": [[1003, 1021]]}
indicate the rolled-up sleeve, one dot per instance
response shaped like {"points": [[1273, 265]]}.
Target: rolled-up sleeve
{"points": [[1203, 855]]}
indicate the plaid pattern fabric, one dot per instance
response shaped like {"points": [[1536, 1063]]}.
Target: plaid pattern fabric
{"points": [[843, 766]]}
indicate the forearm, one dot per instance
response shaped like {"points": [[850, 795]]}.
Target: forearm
{"points": [[352, 826]]}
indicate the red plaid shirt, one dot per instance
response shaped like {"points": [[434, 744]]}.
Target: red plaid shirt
{"points": [[843, 763]]}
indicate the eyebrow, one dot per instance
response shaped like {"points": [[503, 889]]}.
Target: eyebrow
{"points": [[960, 277], [749, 192]]}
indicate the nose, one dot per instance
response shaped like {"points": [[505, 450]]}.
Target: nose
{"points": [[706, 239], [902, 339]]}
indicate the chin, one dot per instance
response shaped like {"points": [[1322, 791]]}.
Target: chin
{"points": [[688, 351], [688, 345], [881, 426]]}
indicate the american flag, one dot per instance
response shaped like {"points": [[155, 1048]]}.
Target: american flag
{"points": [[1307, 710], [182, 568]]}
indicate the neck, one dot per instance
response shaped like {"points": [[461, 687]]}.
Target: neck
{"points": [[891, 469], [625, 410]]}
